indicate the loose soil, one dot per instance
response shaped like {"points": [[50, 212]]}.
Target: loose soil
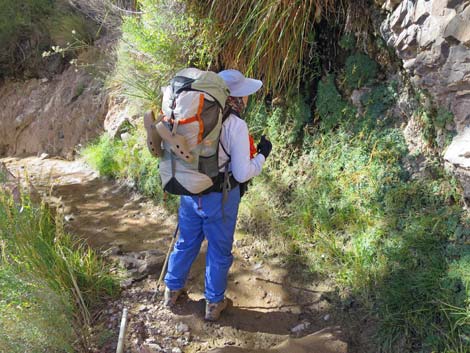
{"points": [[269, 311]]}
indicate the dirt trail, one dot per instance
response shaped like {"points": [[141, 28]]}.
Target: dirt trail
{"points": [[267, 306]]}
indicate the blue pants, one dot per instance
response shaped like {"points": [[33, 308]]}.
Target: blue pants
{"points": [[201, 216]]}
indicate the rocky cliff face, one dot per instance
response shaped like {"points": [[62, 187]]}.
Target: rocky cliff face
{"points": [[51, 116], [432, 37]]}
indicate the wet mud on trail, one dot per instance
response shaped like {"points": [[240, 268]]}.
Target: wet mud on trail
{"points": [[268, 311]]}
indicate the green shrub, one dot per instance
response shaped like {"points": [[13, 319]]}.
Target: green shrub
{"points": [[360, 70], [376, 104], [3, 177], [433, 122], [19, 21], [330, 106], [443, 117], [29, 28], [102, 156], [164, 39], [284, 125]]}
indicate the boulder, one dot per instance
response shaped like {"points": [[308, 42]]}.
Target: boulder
{"points": [[457, 158], [118, 117], [432, 37], [139, 264], [458, 27]]}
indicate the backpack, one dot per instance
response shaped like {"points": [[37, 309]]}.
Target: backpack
{"points": [[190, 129]]}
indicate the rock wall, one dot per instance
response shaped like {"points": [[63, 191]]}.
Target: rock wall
{"points": [[51, 116], [432, 37]]}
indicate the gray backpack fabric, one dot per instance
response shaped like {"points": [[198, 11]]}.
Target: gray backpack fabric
{"points": [[190, 129]]}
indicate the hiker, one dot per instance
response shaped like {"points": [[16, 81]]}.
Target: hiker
{"points": [[213, 215]]}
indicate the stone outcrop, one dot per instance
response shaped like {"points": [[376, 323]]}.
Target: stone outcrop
{"points": [[457, 159], [432, 37], [52, 116], [119, 117]]}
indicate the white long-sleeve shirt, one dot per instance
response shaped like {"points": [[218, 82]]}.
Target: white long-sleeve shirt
{"points": [[234, 138]]}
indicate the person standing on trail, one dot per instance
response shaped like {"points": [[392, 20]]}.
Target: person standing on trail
{"points": [[212, 215]]}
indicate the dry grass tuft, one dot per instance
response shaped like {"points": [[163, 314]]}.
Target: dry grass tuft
{"points": [[270, 39]]}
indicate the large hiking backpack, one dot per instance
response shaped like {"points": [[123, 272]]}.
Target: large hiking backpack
{"points": [[190, 128]]}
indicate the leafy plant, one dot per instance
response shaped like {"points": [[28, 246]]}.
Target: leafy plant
{"points": [[433, 121], [165, 38], [347, 41], [376, 102], [350, 211]]}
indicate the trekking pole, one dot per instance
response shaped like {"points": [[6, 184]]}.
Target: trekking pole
{"points": [[122, 332], [166, 261]]}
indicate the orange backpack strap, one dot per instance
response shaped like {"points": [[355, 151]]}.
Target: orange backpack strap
{"points": [[252, 147]]}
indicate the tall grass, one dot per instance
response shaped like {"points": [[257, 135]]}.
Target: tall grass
{"points": [[33, 317], [38, 254], [272, 40]]}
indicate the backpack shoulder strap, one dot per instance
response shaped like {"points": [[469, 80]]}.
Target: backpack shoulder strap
{"points": [[227, 111], [226, 114]]}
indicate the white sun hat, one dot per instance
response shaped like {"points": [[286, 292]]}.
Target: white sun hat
{"points": [[239, 85]]}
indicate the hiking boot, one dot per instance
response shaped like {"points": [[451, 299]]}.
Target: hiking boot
{"points": [[213, 310], [171, 296]]}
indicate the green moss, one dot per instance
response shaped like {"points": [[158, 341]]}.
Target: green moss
{"points": [[330, 106], [360, 70], [347, 41]]}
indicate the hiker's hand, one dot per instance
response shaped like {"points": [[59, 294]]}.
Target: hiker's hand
{"points": [[264, 146]]}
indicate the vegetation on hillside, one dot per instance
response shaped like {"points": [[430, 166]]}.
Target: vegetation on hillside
{"points": [[339, 187], [49, 281], [355, 215], [30, 28]]}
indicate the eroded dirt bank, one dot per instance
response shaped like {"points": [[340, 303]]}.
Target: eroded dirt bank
{"points": [[268, 305]]}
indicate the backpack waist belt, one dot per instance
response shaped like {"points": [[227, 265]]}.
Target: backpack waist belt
{"points": [[219, 183]]}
